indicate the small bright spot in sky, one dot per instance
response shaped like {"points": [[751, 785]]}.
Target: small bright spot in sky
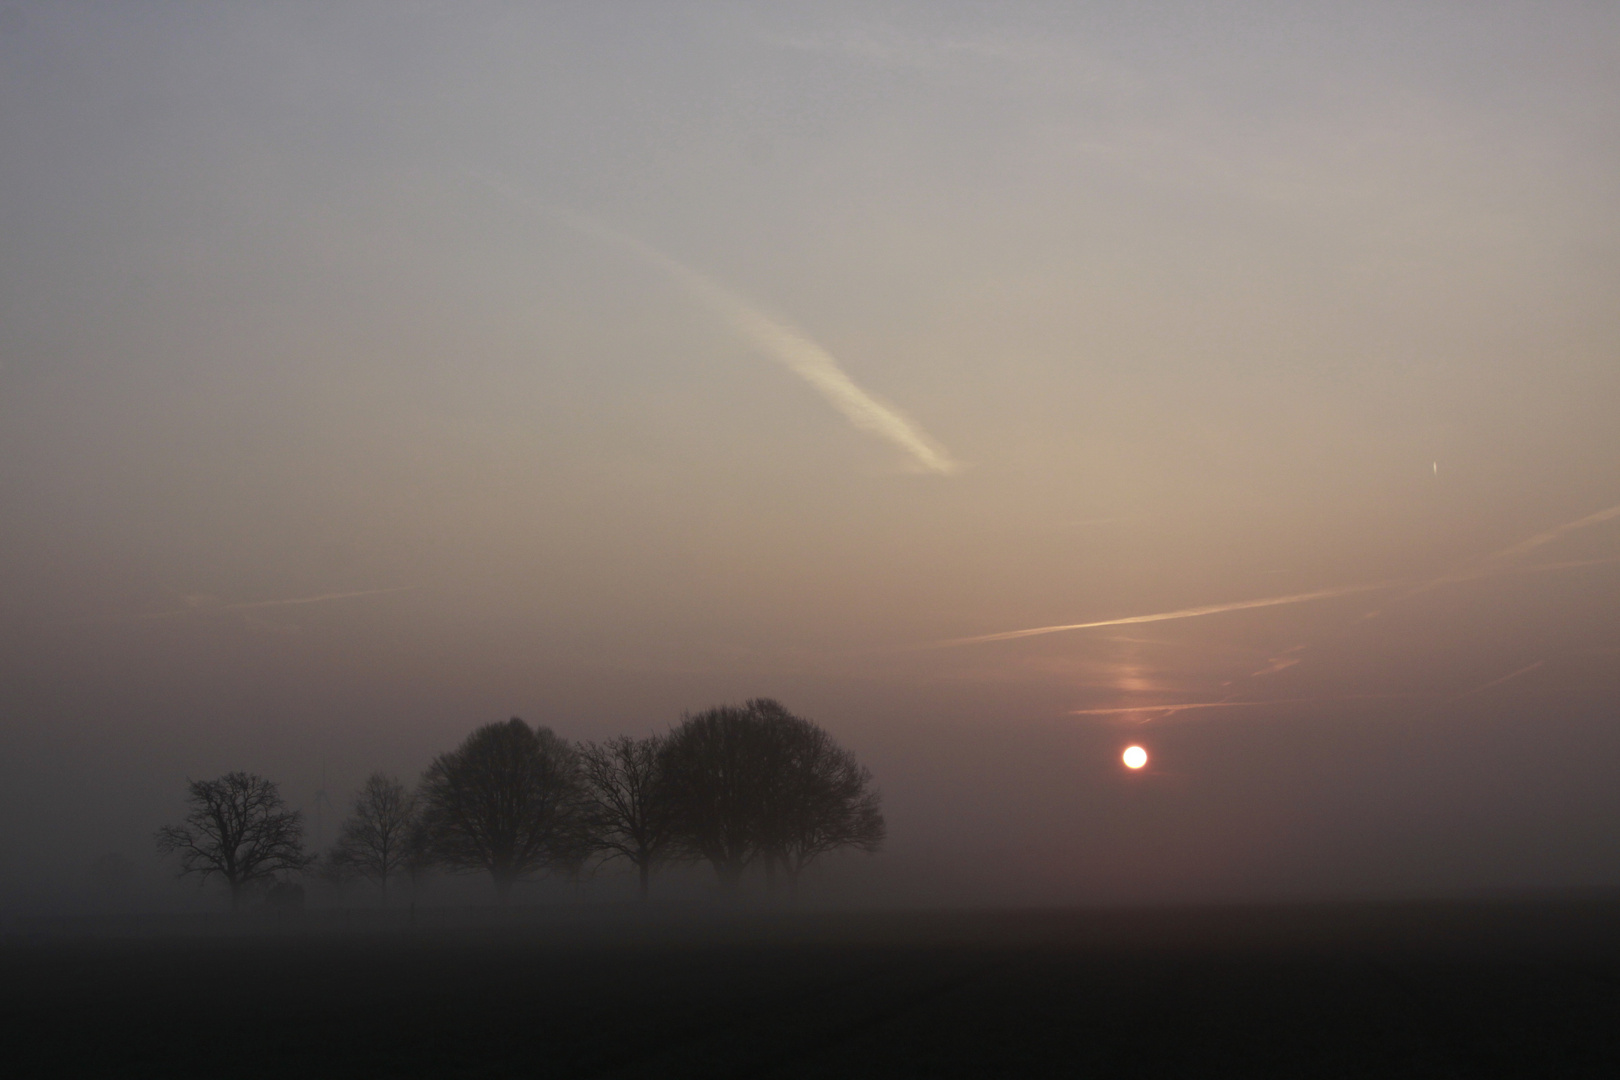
{"points": [[1135, 757]]}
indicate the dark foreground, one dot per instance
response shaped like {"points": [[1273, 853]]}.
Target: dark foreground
{"points": [[1402, 990]]}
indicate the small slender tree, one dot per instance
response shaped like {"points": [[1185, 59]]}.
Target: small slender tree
{"points": [[505, 801], [375, 842], [626, 806], [238, 828]]}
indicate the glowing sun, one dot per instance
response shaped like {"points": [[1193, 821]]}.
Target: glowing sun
{"points": [[1134, 757]]}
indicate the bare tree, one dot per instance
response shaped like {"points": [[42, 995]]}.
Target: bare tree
{"points": [[238, 828], [822, 799], [626, 808], [375, 842], [504, 801]]}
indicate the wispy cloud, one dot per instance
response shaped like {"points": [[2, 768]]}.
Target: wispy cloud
{"points": [[786, 344], [1281, 662], [800, 355], [1165, 616]]}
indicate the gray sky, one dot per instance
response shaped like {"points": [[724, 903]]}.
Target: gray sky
{"points": [[369, 372]]}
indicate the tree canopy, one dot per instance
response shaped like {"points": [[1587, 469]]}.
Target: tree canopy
{"points": [[505, 801], [755, 783]]}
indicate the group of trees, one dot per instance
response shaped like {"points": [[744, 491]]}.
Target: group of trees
{"points": [[736, 786]]}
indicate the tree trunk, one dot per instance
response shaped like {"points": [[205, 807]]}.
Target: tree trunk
{"points": [[643, 868]]}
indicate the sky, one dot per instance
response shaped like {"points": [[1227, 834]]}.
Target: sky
{"points": [[370, 372]]}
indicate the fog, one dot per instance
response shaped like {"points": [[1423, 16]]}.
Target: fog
{"points": [[370, 373]]}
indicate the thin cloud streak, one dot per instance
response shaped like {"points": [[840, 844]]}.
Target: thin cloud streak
{"points": [[1165, 616], [1170, 709], [1524, 547], [1493, 565], [1527, 669], [787, 345], [1466, 694], [1501, 561], [1572, 564]]}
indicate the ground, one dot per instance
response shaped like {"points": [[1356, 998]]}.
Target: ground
{"points": [[1422, 990]]}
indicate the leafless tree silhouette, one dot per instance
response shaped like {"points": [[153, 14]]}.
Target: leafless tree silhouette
{"points": [[375, 842], [626, 808], [239, 829], [822, 799], [505, 801]]}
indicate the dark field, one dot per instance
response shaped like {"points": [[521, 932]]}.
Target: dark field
{"points": [[1400, 990]]}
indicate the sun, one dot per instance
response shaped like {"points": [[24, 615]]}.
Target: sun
{"points": [[1134, 757]]}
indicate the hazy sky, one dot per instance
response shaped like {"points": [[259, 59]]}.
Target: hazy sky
{"points": [[369, 372]]}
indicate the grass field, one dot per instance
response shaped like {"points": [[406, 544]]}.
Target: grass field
{"points": [[1420, 990]]}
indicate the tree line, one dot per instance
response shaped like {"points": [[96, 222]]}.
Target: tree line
{"points": [[735, 786]]}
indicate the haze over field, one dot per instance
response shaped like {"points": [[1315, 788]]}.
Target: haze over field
{"points": [[997, 385]]}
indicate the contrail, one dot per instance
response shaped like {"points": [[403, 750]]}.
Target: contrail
{"points": [[1524, 547], [1572, 564], [255, 604], [783, 343], [1499, 561], [1165, 616], [1168, 709], [1527, 669]]}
